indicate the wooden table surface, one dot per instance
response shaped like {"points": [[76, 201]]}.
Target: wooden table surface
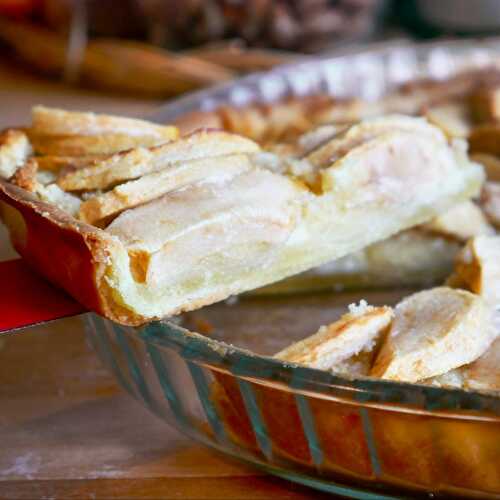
{"points": [[66, 429]]}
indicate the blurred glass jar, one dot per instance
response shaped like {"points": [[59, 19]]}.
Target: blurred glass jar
{"points": [[302, 25]]}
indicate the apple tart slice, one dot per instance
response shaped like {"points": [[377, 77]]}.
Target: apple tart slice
{"points": [[157, 230]]}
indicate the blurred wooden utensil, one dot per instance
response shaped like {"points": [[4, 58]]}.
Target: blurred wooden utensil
{"points": [[113, 64]]}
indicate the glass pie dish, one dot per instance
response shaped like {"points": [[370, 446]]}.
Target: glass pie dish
{"points": [[360, 438]]}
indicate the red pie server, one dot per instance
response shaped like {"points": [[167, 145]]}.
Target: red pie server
{"points": [[27, 299]]}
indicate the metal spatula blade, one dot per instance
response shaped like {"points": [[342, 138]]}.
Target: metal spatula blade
{"points": [[26, 299]]}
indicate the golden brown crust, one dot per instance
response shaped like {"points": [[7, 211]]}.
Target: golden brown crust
{"points": [[25, 176], [79, 253]]}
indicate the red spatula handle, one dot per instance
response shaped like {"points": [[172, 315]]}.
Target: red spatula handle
{"points": [[27, 299]]}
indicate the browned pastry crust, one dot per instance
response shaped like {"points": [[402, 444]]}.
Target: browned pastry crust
{"points": [[79, 253], [25, 176]]}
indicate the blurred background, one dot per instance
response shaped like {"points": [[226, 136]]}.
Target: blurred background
{"points": [[155, 49]]}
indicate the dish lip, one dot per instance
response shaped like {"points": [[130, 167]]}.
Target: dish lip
{"points": [[248, 86], [291, 377], [436, 60]]}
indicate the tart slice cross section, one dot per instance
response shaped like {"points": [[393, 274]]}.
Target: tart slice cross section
{"points": [[196, 219]]}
